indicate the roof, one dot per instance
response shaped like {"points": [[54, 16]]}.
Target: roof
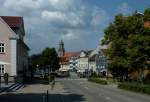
{"points": [[24, 45], [92, 58], [65, 59], [71, 54], [12, 21], [87, 52]]}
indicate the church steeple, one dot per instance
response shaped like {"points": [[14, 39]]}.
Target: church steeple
{"points": [[61, 49]]}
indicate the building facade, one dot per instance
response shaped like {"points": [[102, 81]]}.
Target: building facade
{"points": [[73, 62], [83, 62], [101, 62], [13, 50], [98, 60], [92, 64]]}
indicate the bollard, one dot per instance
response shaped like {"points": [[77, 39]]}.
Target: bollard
{"points": [[47, 96]]}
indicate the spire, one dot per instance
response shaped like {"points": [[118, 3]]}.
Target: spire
{"points": [[61, 49]]}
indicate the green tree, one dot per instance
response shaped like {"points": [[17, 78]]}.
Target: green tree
{"points": [[50, 58], [129, 43], [36, 59], [147, 14]]}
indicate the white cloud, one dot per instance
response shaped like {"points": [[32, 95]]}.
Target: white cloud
{"points": [[48, 21], [65, 5], [70, 18], [20, 5], [53, 15], [75, 19], [69, 35], [124, 8], [99, 16]]}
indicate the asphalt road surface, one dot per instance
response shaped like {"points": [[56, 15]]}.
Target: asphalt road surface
{"points": [[92, 92], [72, 89]]}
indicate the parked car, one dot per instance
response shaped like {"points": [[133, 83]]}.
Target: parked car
{"points": [[38, 75], [63, 73]]}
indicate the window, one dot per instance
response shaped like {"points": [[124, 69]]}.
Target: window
{"points": [[2, 47], [1, 68]]}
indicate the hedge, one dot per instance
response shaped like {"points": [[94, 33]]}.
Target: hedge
{"points": [[98, 80], [135, 87]]}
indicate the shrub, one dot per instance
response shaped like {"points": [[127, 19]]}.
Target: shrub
{"points": [[98, 80], [93, 75], [136, 87]]}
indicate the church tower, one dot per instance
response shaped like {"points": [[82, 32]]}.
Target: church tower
{"points": [[61, 49]]}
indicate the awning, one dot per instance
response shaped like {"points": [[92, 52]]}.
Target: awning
{"points": [[1, 62]]}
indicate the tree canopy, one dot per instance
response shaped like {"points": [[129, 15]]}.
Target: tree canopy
{"points": [[47, 59], [50, 58], [129, 42]]}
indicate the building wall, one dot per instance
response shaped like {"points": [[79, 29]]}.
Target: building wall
{"points": [[65, 66], [5, 34], [22, 57], [83, 63], [73, 63], [16, 54], [135, 75], [101, 62], [147, 24], [92, 66]]}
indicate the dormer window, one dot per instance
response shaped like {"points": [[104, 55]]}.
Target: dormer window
{"points": [[2, 48]]}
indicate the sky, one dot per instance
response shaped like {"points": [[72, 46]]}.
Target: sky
{"points": [[79, 23]]}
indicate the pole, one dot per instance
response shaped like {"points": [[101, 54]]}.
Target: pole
{"points": [[88, 67]]}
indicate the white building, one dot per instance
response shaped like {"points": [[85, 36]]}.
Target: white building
{"points": [[101, 62], [92, 62], [13, 50], [73, 62], [83, 61], [97, 60]]}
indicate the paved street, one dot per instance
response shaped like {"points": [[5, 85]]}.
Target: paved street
{"points": [[98, 93], [72, 89]]}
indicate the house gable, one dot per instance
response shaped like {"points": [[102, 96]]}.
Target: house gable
{"points": [[82, 54], [5, 30]]}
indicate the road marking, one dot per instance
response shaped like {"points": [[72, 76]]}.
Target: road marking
{"points": [[108, 98], [86, 87], [80, 82]]}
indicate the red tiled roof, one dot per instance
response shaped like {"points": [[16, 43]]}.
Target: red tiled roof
{"points": [[70, 54], [67, 56], [12, 21]]}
